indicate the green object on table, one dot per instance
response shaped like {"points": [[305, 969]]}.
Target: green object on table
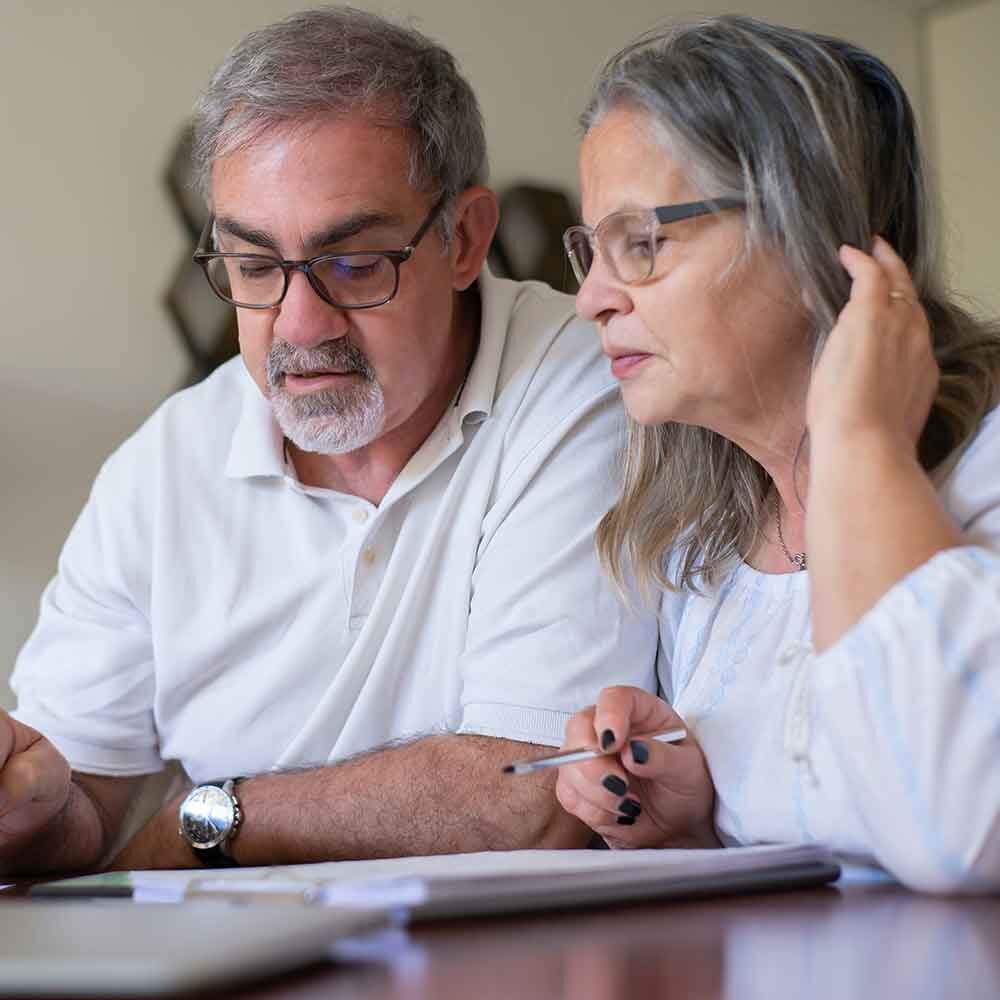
{"points": [[104, 884]]}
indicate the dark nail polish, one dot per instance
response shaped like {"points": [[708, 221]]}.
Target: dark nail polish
{"points": [[626, 820], [607, 738], [630, 807], [615, 785], [640, 752]]}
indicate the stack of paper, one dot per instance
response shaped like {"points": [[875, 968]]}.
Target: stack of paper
{"points": [[489, 882]]}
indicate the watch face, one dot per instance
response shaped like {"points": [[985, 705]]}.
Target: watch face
{"points": [[207, 816]]}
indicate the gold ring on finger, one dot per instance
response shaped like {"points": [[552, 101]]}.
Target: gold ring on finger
{"points": [[899, 296]]}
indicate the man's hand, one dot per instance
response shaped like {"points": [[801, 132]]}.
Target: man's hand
{"points": [[34, 782], [51, 819], [649, 795]]}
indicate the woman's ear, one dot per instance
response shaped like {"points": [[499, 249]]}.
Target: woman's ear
{"points": [[476, 214]]}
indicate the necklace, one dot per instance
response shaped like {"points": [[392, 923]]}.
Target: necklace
{"points": [[795, 558]]}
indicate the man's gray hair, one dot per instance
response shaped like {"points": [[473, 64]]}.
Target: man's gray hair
{"points": [[338, 61]]}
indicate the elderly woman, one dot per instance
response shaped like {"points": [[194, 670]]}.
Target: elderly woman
{"points": [[812, 478]]}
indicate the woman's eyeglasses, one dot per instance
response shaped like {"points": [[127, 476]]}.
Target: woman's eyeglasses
{"points": [[628, 241]]}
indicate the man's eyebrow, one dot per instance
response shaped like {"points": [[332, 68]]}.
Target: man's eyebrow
{"points": [[257, 237], [343, 230], [351, 227]]}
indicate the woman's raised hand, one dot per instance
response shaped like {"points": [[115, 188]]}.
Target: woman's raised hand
{"points": [[646, 794], [877, 371], [873, 515]]}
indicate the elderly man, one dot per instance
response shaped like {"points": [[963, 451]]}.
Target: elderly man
{"points": [[350, 575]]}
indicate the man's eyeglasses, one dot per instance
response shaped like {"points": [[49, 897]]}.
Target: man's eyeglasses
{"points": [[628, 241], [360, 279]]}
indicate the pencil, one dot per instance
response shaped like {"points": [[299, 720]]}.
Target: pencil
{"points": [[584, 753]]}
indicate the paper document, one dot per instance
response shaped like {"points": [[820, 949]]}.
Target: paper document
{"points": [[488, 882]]}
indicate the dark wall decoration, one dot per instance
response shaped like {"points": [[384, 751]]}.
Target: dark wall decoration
{"points": [[527, 245], [205, 324]]}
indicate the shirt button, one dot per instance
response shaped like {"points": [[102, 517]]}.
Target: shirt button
{"points": [[369, 556], [360, 515]]}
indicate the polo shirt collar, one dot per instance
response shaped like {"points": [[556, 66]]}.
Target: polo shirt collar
{"points": [[258, 446], [497, 297]]}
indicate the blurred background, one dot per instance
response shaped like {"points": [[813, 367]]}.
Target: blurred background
{"points": [[95, 97]]}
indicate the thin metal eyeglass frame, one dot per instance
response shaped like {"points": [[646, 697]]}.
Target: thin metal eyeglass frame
{"points": [[396, 257], [663, 214]]}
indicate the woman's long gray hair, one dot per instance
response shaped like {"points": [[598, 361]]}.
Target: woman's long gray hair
{"points": [[818, 137]]}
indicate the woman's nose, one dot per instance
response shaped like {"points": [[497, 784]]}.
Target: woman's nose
{"points": [[600, 296]]}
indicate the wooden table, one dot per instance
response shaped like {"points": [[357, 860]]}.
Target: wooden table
{"points": [[857, 941]]}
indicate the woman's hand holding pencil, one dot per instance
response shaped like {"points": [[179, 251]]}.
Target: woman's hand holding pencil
{"points": [[585, 753], [638, 777]]}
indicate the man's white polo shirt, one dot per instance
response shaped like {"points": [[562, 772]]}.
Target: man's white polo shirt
{"points": [[211, 609]]}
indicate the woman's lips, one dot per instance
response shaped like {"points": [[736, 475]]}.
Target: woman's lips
{"points": [[300, 384], [624, 365]]}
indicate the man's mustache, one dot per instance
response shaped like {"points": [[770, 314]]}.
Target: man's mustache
{"points": [[332, 356]]}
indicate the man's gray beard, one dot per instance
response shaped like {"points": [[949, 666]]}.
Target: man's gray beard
{"points": [[333, 421]]}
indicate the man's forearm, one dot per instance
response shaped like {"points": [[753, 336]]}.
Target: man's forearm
{"points": [[438, 795]]}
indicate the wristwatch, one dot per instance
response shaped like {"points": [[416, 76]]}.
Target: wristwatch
{"points": [[209, 818]]}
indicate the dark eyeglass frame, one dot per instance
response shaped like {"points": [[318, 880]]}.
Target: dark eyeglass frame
{"points": [[396, 257], [662, 213]]}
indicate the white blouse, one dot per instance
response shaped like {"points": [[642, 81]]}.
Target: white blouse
{"points": [[886, 746]]}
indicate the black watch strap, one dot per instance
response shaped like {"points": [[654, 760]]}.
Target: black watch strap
{"points": [[216, 857]]}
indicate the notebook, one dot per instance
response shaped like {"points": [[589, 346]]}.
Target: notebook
{"points": [[490, 882], [111, 947]]}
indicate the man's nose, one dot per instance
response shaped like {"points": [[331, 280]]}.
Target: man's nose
{"points": [[306, 320]]}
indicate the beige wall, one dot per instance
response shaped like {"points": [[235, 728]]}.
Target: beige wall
{"points": [[963, 99], [93, 94]]}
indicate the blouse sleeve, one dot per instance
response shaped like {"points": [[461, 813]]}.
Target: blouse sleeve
{"points": [[908, 700]]}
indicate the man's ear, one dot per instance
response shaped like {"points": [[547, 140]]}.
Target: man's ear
{"points": [[476, 214]]}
